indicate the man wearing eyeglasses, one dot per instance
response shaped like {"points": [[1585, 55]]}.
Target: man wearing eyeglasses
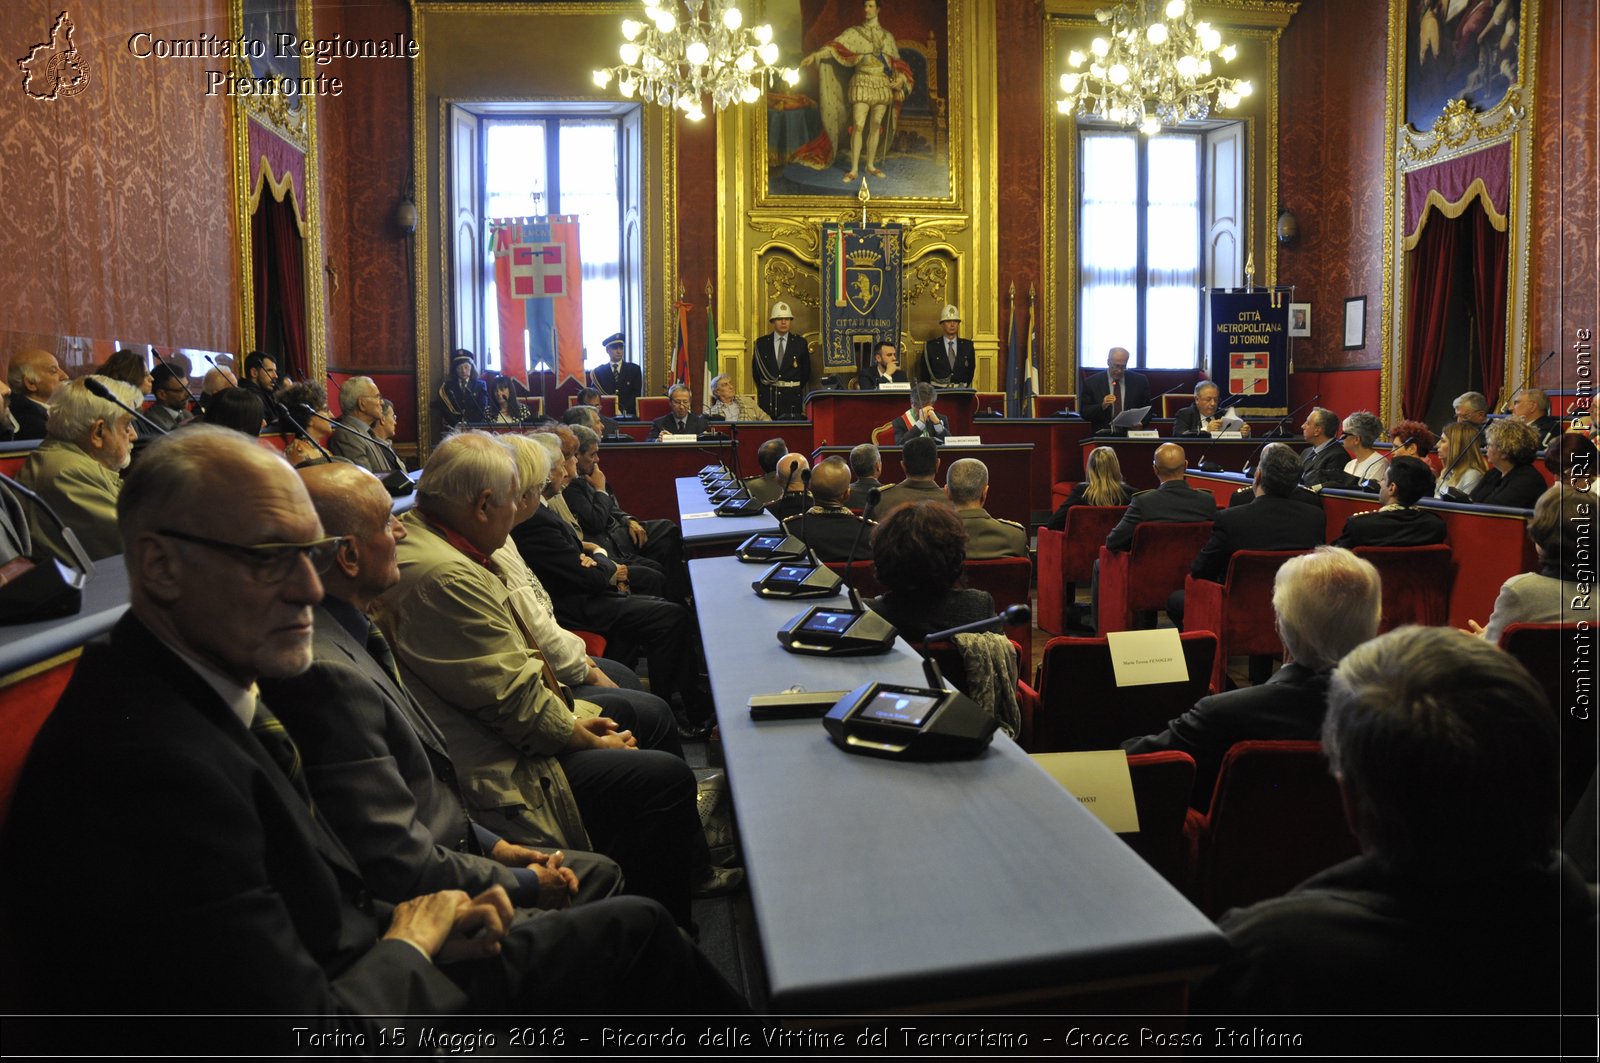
{"points": [[232, 894], [682, 420], [353, 438], [171, 408]]}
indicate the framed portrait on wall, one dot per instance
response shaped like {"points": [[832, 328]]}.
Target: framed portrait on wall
{"points": [[878, 99], [1459, 49], [1300, 320]]}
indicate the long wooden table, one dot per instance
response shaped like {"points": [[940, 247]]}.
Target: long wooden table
{"points": [[963, 885]]}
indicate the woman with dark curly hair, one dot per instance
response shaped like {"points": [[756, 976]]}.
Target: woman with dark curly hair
{"points": [[505, 408], [1411, 439], [1511, 480], [919, 551]]}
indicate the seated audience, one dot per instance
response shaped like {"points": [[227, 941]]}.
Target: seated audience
{"points": [[1445, 751], [388, 423], [218, 378], [1571, 460], [920, 458], [1326, 604], [261, 380], [1562, 591], [1400, 522], [767, 487], [307, 403], [1511, 480], [1410, 439], [88, 441], [1172, 502], [238, 409], [729, 406], [129, 366], [1461, 459], [918, 553], [504, 406], [967, 487], [232, 896], [1471, 408], [866, 464], [362, 404], [590, 397], [828, 527], [885, 368], [681, 420], [33, 376], [792, 469], [535, 772], [1531, 406], [1361, 430], [1104, 487], [653, 546], [171, 408], [8, 423], [921, 421], [1324, 459]]}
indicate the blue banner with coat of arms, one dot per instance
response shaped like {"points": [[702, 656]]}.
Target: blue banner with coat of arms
{"points": [[861, 292], [1250, 349]]}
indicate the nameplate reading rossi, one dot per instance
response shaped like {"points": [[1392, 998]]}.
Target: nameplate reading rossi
{"points": [[1100, 781], [1139, 658]]}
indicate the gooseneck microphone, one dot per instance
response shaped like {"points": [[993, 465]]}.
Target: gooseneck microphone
{"points": [[1282, 430], [298, 423], [182, 378], [1010, 616], [1505, 402], [100, 391]]}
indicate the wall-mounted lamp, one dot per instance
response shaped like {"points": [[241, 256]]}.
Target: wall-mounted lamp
{"points": [[405, 215], [1288, 227]]}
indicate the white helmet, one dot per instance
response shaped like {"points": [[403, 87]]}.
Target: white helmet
{"points": [[949, 313], [780, 309]]}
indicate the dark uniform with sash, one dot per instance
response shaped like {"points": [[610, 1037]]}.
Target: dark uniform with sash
{"points": [[1393, 525]]}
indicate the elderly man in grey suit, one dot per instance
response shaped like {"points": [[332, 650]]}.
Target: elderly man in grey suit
{"points": [[362, 406], [377, 765]]}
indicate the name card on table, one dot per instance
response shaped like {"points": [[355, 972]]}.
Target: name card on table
{"points": [[963, 441], [1143, 433], [1099, 779], [677, 437], [1140, 658]]}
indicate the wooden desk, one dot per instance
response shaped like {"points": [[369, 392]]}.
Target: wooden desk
{"points": [[1057, 455], [965, 885], [1136, 455], [1009, 472], [1490, 543], [644, 475], [846, 418]]}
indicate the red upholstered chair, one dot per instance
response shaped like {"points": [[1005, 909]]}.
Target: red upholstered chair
{"points": [[883, 435], [1066, 559], [652, 406], [1549, 653], [1416, 583], [1239, 611], [593, 644], [1081, 706], [1275, 820], [1144, 576], [991, 400], [12, 461], [861, 575], [1161, 785], [1050, 405], [608, 405], [26, 701], [1060, 491], [1009, 580], [278, 441], [948, 657]]}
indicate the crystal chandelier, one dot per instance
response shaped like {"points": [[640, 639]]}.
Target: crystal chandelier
{"points": [[1154, 69], [686, 51]]}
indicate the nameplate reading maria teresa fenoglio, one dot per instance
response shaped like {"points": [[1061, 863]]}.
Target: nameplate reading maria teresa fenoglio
{"points": [[1140, 658]]}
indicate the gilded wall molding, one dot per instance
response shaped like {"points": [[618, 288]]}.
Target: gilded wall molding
{"points": [[1459, 130]]}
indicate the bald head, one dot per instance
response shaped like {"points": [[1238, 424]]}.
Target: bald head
{"points": [[790, 466], [1170, 461], [830, 482], [218, 379], [348, 499]]}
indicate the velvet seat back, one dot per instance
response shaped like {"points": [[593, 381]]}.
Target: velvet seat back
{"points": [[1416, 583], [1066, 559], [1081, 706], [1144, 576]]}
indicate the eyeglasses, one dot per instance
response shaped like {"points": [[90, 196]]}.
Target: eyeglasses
{"points": [[269, 562]]}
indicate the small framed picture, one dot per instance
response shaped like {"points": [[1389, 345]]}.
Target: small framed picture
{"points": [[1355, 323], [1300, 320]]}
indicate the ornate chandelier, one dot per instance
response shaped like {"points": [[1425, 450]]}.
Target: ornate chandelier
{"points": [[686, 51], [1155, 69]]}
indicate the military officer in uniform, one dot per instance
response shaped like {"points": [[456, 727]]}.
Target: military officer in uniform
{"points": [[782, 366], [967, 485], [948, 361], [622, 379], [920, 457], [1400, 522], [828, 527]]}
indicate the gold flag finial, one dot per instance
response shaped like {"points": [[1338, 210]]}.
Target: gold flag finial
{"points": [[864, 194]]}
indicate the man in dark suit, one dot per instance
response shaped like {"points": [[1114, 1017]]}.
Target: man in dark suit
{"points": [[921, 420], [589, 398], [377, 765], [260, 380], [1201, 418], [1531, 406], [1327, 603], [1173, 502], [782, 367], [1274, 521], [1116, 390], [362, 404], [682, 420], [623, 379], [33, 375], [655, 546], [828, 527], [949, 360], [232, 896], [885, 368], [1324, 457], [1401, 522], [794, 473]]}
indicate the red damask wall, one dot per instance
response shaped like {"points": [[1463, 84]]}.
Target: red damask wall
{"points": [[365, 140], [1019, 83], [1331, 161], [1564, 288], [118, 205]]}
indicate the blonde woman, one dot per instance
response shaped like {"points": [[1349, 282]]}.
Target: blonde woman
{"points": [[1104, 487], [1462, 475]]}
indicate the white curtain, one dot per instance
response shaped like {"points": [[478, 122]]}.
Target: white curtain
{"points": [[590, 188], [1108, 246], [1172, 253], [515, 165]]}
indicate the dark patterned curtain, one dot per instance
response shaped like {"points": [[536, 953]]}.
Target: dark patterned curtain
{"points": [[1489, 264], [1432, 273], [279, 271]]}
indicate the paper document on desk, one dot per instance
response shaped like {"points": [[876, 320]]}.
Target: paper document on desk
{"points": [[1100, 780], [1139, 658]]}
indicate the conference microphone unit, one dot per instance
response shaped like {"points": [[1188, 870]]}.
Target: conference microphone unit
{"points": [[395, 481], [33, 589], [823, 631], [100, 391]]}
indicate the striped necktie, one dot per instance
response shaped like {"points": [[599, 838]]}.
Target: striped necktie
{"points": [[270, 732]]}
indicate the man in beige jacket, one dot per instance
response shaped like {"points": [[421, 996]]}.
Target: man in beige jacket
{"points": [[88, 442]]}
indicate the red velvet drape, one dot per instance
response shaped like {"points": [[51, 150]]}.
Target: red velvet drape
{"points": [[1489, 258], [1432, 283], [279, 273]]}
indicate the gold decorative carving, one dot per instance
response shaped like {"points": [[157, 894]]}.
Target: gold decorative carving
{"points": [[799, 232], [783, 278], [928, 279], [1460, 130]]}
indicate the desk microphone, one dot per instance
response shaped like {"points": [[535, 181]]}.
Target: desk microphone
{"points": [[1010, 616], [100, 391], [824, 631]]}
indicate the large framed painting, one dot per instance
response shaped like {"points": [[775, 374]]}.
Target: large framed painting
{"points": [[879, 100], [1459, 49]]}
